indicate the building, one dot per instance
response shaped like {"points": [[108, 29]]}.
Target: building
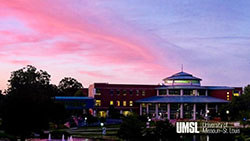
{"points": [[120, 96], [182, 97]]}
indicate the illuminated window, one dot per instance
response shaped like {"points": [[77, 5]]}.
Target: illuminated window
{"points": [[228, 96], [126, 113], [130, 103], [236, 94], [124, 103], [143, 105], [137, 92], [169, 81], [182, 81], [111, 102], [143, 92], [98, 103], [98, 91], [102, 113], [124, 93], [118, 103]]}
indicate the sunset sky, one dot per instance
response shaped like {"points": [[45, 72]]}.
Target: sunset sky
{"points": [[127, 41]]}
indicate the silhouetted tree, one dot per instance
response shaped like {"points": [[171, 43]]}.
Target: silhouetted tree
{"points": [[80, 93], [165, 131], [28, 106], [239, 108], [69, 86], [131, 129], [114, 113], [1, 103]]}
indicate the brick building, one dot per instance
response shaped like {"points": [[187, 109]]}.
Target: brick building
{"points": [[181, 96]]}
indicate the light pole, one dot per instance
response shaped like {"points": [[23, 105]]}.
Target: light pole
{"points": [[85, 121], [227, 112], [103, 128], [148, 122], [206, 115]]}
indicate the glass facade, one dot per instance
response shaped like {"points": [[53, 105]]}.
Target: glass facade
{"points": [[200, 111], [162, 92], [151, 110], [188, 111], [163, 110], [174, 92], [174, 111]]}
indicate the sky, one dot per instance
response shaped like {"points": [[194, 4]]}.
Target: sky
{"points": [[127, 41]]}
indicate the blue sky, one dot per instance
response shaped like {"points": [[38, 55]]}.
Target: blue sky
{"points": [[132, 41]]}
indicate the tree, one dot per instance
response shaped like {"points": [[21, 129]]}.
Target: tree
{"points": [[165, 131], [131, 128], [247, 90], [69, 86], [114, 113], [239, 108], [1, 103], [28, 106]]}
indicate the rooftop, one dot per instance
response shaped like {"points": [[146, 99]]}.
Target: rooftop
{"points": [[182, 76], [196, 87]]}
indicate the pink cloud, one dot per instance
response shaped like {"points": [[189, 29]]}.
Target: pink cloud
{"points": [[57, 32], [96, 74], [20, 62]]}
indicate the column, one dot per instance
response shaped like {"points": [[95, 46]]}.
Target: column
{"points": [[196, 92], [140, 109], [107, 113], [181, 111], [216, 108], [156, 110], [168, 111], [167, 91], [181, 92], [194, 112], [94, 113], [206, 107], [206, 93], [147, 109], [206, 112], [157, 92]]}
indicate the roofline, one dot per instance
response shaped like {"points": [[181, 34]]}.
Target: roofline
{"points": [[168, 78]]}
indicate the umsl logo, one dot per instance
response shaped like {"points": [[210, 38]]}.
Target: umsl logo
{"points": [[187, 127]]}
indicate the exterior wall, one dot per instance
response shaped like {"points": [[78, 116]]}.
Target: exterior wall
{"points": [[225, 94], [222, 94], [91, 91], [103, 92]]}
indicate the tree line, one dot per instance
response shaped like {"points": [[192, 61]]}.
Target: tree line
{"points": [[26, 106]]}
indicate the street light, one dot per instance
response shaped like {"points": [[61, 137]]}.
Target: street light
{"points": [[85, 120], [103, 128], [227, 112], [206, 115], [148, 122]]}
